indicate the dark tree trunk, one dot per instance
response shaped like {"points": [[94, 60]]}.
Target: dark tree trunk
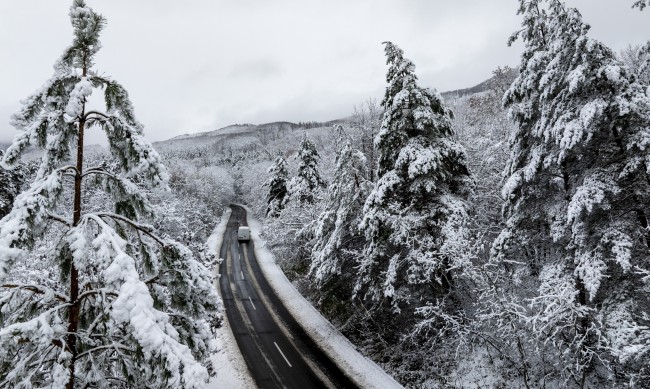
{"points": [[73, 312]]}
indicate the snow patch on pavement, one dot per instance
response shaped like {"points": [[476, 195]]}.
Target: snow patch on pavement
{"points": [[364, 372], [229, 364]]}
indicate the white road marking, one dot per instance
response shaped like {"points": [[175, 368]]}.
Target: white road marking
{"points": [[249, 299], [285, 358], [242, 274]]}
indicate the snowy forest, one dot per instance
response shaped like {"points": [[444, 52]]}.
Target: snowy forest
{"points": [[490, 239]]}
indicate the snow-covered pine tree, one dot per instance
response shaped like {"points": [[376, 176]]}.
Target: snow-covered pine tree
{"points": [[577, 196], [417, 207], [114, 305], [641, 4], [277, 185], [10, 184], [336, 234], [308, 180]]}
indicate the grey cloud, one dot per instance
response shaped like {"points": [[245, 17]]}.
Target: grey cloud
{"points": [[199, 64], [262, 68]]}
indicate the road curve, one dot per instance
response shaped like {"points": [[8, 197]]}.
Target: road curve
{"points": [[278, 352]]}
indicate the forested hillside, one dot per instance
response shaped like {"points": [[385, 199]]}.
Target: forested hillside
{"points": [[496, 237], [492, 240]]}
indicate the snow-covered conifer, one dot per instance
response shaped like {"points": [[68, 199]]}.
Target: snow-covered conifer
{"points": [[10, 183], [277, 185], [578, 192], [308, 181], [417, 206], [641, 4], [114, 305], [336, 229]]}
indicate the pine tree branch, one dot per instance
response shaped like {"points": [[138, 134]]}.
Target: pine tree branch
{"points": [[38, 290], [146, 229], [96, 113], [93, 292], [107, 347], [67, 167], [60, 219], [100, 170]]}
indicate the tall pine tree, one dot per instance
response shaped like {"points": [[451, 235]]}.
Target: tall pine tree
{"points": [[277, 185], [129, 308], [336, 234], [578, 194], [418, 204], [308, 180]]}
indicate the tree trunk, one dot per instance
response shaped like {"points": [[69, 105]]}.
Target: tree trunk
{"points": [[73, 312]]}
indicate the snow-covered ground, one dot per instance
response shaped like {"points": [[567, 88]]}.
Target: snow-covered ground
{"points": [[232, 372], [362, 370]]}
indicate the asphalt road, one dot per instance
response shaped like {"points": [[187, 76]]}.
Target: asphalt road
{"points": [[278, 352]]}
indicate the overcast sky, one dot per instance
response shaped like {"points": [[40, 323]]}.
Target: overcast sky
{"points": [[198, 65]]}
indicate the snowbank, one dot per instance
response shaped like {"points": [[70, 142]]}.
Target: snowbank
{"points": [[228, 362], [364, 372], [216, 239]]}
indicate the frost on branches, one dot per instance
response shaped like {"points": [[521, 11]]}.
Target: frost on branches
{"points": [[111, 304], [416, 212], [578, 195]]}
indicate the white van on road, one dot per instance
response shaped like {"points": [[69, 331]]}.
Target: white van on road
{"points": [[243, 234]]}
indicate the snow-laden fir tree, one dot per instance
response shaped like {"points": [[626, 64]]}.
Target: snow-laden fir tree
{"points": [[277, 185], [417, 208], [113, 305], [578, 197], [10, 183], [308, 180], [336, 234]]}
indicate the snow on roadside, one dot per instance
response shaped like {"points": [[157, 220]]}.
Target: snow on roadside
{"points": [[364, 372], [229, 364]]}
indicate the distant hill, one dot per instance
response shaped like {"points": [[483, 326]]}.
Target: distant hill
{"points": [[482, 87], [240, 134], [243, 130]]}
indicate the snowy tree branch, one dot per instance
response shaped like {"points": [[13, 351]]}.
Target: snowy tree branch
{"points": [[99, 170], [113, 345], [59, 219], [147, 229], [38, 290], [96, 113]]}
